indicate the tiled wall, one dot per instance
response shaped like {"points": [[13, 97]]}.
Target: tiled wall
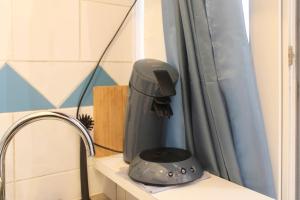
{"points": [[48, 49], [154, 44]]}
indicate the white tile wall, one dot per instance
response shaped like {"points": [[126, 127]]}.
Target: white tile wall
{"points": [[45, 30], [99, 22], [120, 72], [10, 195], [5, 33], [153, 30], [6, 121], [67, 76], [57, 186], [64, 186], [46, 147], [54, 44], [116, 2]]}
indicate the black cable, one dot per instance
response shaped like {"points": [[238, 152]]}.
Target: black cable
{"points": [[83, 160], [107, 148], [101, 57]]}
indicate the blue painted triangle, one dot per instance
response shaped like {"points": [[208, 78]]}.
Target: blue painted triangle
{"points": [[16, 94], [101, 78]]}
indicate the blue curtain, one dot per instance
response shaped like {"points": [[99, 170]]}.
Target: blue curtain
{"points": [[219, 113]]}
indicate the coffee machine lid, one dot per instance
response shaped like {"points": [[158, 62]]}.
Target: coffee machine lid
{"points": [[154, 78]]}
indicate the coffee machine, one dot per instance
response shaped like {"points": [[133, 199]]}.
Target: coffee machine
{"points": [[151, 87]]}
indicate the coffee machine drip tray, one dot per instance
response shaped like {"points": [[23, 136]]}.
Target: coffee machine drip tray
{"points": [[165, 167]]}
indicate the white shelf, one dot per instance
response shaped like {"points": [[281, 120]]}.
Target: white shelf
{"points": [[214, 188]]}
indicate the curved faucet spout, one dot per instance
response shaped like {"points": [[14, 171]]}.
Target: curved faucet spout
{"points": [[15, 128]]}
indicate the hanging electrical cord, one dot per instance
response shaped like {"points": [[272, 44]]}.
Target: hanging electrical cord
{"points": [[89, 121], [101, 57], [96, 67]]}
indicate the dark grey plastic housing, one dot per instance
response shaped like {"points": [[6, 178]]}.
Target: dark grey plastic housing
{"points": [[144, 127], [173, 171]]}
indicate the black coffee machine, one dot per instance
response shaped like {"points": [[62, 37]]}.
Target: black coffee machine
{"points": [[151, 87]]}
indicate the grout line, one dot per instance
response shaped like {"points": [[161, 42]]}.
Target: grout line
{"points": [[9, 182], [108, 3], [51, 109], [68, 61], [45, 175], [50, 174]]}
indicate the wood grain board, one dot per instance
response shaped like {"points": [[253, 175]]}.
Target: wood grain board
{"points": [[109, 115]]}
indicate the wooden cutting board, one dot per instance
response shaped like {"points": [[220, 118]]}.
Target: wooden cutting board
{"points": [[109, 115]]}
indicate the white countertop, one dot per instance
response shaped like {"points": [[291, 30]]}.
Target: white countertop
{"points": [[214, 188]]}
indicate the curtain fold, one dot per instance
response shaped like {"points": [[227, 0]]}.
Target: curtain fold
{"points": [[221, 115]]}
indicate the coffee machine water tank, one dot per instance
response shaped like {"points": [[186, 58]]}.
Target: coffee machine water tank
{"points": [[152, 83]]}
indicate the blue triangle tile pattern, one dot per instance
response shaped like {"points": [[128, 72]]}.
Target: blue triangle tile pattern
{"points": [[101, 78], [16, 94]]}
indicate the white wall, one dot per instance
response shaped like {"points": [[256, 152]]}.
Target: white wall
{"points": [[53, 45], [154, 43], [265, 38]]}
